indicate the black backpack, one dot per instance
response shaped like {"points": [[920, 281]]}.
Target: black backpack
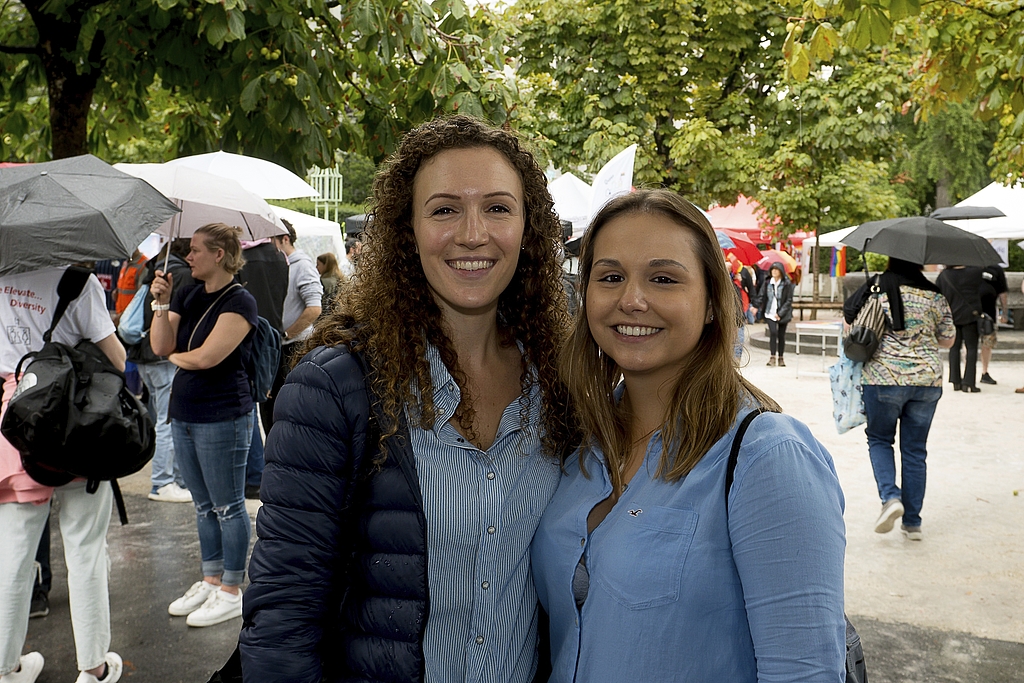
{"points": [[856, 670], [72, 414], [262, 359]]}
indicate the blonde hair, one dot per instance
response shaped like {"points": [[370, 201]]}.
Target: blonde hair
{"points": [[708, 389], [226, 237]]}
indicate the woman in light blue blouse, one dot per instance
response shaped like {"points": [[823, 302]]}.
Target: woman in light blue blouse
{"points": [[645, 574]]}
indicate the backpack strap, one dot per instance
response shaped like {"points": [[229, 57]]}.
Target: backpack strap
{"points": [[71, 284], [734, 454]]}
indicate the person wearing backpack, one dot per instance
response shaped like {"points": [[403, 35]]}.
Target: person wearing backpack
{"points": [[166, 483], [26, 311], [206, 330]]}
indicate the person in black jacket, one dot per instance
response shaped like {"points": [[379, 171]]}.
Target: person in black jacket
{"points": [[415, 446], [775, 301], [961, 285], [265, 276]]}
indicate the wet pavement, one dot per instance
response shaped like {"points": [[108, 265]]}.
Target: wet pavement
{"points": [[947, 610]]}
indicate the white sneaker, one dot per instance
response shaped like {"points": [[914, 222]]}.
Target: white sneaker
{"points": [[171, 493], [220, 606], [31, 665], [193, 599], [891, 511], [114, 669]]}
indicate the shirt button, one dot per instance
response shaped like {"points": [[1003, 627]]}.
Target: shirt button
{"points": [[485, 585], [491, 529], [479, 640], [490, 475], [460, 440], [583, 542]]}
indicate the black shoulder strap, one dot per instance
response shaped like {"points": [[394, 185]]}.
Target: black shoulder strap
{"points": [[71, 284], [734, 454]]}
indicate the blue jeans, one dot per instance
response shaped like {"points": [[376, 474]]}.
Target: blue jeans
{"points": [[913, 408], [212, 459], [254, 462], [158, 377]]}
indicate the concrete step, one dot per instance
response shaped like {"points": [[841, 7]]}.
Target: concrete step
{"points": [[1010, 346]]}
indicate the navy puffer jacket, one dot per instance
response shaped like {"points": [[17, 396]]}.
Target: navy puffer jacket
{"points": [[339, 573]]}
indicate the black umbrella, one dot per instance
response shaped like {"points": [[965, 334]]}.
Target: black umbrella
{"points": [[957, 213], [354, 225], [923, 240], [76, 209]]}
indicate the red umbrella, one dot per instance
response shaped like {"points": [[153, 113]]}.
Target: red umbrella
{"points": [[745, 250], [773, 255]]}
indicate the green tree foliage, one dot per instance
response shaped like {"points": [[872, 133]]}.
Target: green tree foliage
{"points": [[287, 80], [702, 88], [967, 52], [358, 172]]}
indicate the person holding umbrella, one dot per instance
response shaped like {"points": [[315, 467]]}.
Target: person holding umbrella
{"points": [[902, 385], [776, 303], [203, 330]]}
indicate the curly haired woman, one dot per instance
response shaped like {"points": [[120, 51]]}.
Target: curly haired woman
{"points": [[416, 444]]}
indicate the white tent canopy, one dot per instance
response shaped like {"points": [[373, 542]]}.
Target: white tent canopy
{"points": [[1009, 200], [572, 200], [314, 235], [831, 239]]}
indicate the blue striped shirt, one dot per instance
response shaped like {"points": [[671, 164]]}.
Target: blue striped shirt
{"points": [[482, 508]]}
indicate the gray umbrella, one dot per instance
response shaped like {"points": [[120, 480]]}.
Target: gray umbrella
{"points": [[956, 213], [76, 209], [923, 240]]}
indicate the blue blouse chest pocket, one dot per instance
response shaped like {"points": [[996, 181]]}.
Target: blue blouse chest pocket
{"points": [[640, 561]]}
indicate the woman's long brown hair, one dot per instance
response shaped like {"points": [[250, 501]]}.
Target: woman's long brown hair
{"points": [[387, 310], [708, 389]]}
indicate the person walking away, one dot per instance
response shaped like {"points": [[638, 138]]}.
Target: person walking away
{"points": [[902, 386], [26, 311], [204, 330], [265, 276], [395, 547], [650, 564], [961, 285], [993, 289], [302, 306], [776, 302], [330, 276], [166, 482]]}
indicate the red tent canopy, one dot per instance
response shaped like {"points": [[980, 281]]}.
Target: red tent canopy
{"points": [[741, 217], [5, 164]]}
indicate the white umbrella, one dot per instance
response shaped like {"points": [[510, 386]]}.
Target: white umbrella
{"points": [[206, 198], [263, 178]]}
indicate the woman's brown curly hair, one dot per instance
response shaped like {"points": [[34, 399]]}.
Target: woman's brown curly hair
{"points": [[388, 312]]}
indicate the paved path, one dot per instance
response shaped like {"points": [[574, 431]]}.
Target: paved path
{"points": [[947, 610]]}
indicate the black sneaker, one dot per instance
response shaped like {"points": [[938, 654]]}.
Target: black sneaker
{"points": [[40, 605], [987, 379], [252, 492]]}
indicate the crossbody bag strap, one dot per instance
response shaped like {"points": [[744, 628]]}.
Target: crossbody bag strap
{"points": [[734, 455], [71, 284], [215, 302]]}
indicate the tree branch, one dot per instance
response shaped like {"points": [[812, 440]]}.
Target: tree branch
{"points": [[22, 50]]}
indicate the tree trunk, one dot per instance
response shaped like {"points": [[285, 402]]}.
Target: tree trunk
{"points": [[70, 92], [942, 192]]}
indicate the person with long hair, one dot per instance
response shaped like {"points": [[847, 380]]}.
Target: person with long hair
{"points": [[415, 445], [776, 303], [330, 276], [902, 387], [205, 331], [651, 566]]}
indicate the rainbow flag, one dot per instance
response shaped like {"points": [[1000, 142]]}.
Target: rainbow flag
{"points": [[838, 266]]}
